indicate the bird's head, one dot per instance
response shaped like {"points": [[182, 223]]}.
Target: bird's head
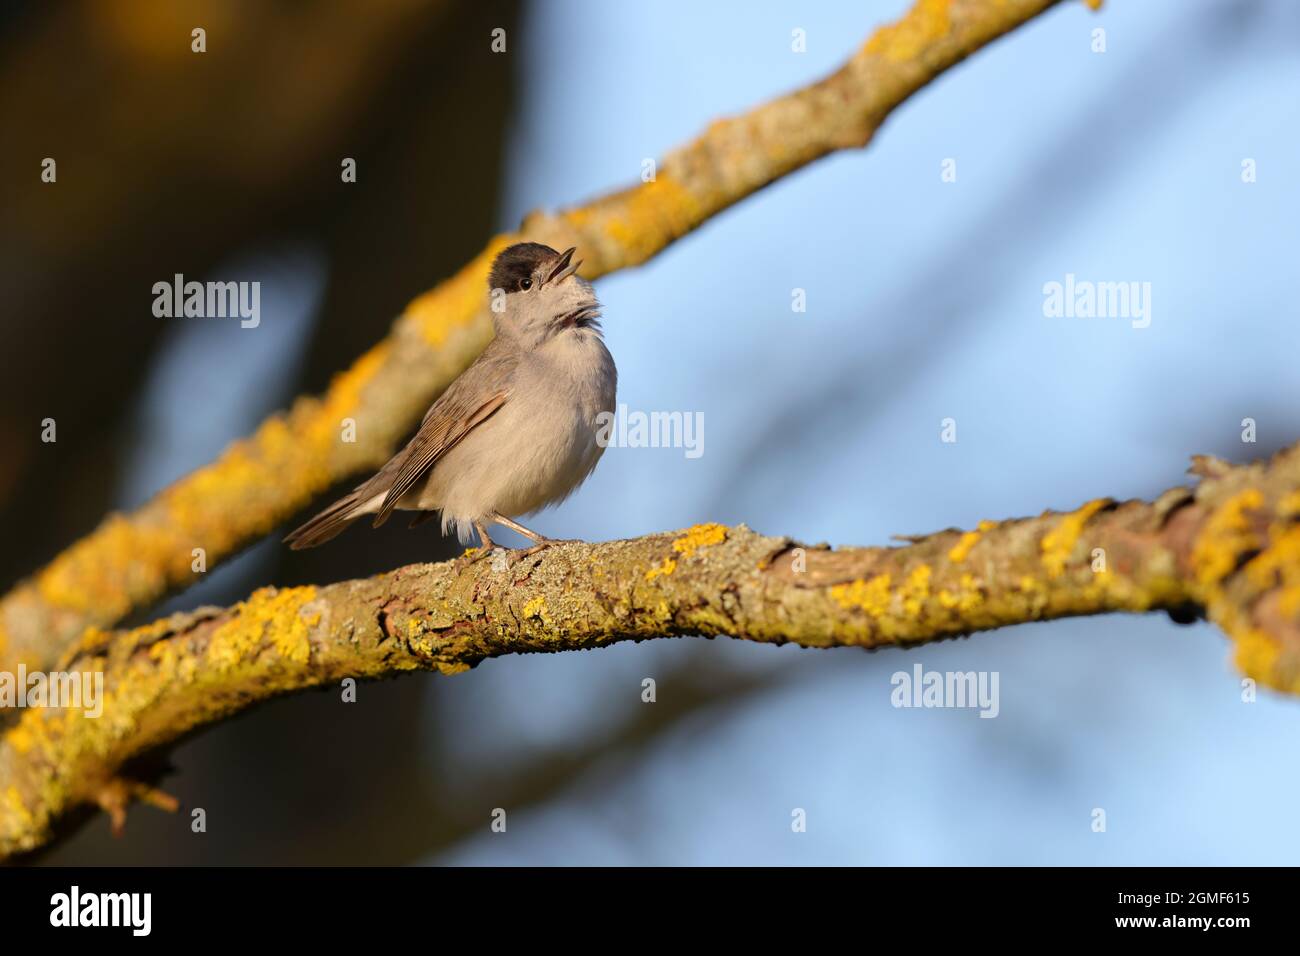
{"points": [[535, 292]]}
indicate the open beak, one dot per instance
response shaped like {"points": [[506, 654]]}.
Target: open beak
{"points": [[562, 268]]}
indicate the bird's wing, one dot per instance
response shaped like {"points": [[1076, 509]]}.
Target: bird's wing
{"points": [[471, 400]]}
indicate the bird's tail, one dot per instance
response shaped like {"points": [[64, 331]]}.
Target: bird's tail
{"points": [[328, 523]]}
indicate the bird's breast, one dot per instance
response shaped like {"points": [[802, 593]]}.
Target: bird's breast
{"points": [[543, 442]]}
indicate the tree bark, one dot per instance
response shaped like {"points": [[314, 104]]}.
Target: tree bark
{"points": [[1229, 549]]}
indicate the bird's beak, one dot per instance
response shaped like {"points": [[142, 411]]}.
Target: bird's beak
{"points": [[562, 268]]}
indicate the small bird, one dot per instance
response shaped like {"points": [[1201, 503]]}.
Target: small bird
{"points": [[517, 430]]}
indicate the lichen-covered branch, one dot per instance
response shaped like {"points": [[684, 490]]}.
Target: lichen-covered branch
{"points": [[1228, 549], [133, 559]]}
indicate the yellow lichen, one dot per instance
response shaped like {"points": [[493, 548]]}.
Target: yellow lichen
{"points": [[699, 536], [871, 596], [20, 738], [904, 40], [650, 216], [1289, 505], [1278, 565], [967, 598], [16, 807], [267, 613], [344, 397], [1256, 655], [1059, 543], [962, 548], [536, 608], [1226, 536], [916, 590], [667, 567]]}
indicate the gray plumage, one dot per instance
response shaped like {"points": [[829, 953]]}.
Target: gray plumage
{"points": [[516, 431]]}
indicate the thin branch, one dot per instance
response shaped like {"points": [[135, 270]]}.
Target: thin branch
{"points": [[1230, 549], [131, 560]]}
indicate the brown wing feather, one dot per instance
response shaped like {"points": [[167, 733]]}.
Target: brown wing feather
{"points": [[327, 524], [472, 398], [438, 434]]}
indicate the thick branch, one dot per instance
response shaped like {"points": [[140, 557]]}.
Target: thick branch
{"points": [[1229, 549], [131, 560]]}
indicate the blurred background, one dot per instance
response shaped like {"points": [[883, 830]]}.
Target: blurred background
{"points": [[924, 302]]}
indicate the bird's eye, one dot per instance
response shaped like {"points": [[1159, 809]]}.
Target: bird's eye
{"points": [[525, 284]]}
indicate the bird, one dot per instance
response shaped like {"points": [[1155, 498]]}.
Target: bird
{"points": [[517, 431]]}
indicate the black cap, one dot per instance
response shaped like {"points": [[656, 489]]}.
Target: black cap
{"points": [[518, 262]]}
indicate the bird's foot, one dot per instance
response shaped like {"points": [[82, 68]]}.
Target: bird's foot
{"points": [[519, 555], [473, 556]]}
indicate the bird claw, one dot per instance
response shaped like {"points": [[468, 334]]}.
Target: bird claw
{"points": [[504, 558], [540, 546], [473, 556]]}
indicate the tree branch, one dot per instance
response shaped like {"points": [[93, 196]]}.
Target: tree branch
{"points": [[1230, 549], [131, 560]]}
